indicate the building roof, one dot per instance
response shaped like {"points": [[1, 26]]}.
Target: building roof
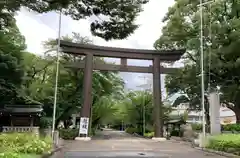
{"points": [[22, 109]]}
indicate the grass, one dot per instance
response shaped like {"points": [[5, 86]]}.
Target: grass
{"points": [[227, 137], [225, 142], [149, 134], [29, 156]]}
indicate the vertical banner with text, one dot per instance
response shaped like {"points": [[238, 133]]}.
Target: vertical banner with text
{"points": [[84, 121]]}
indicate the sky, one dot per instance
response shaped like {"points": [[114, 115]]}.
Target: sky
{"points": [[39, 27]]}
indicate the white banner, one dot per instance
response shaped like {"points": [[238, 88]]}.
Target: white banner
{"points": [[84, 121]]}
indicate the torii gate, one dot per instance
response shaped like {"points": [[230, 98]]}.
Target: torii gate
{"points": [[156, 56]]}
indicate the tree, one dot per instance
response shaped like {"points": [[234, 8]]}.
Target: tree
{"points": [[136, 110], [220, 48], [106, 86], [37, 70], [115, 18], [11, 76]]}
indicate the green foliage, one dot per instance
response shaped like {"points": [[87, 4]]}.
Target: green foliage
{"points": [[231, 127], [135, 110], [220, 42], [27, 78], [133, 107], [131, 130], [177, 133], [225, 142], [68, 134], [119, 24], [149, 134], [45, 122], [12, 45], [228, 127], [9, 155], [39, 84], [196, 127], [104, 111], [185, 116], [15, 144]]}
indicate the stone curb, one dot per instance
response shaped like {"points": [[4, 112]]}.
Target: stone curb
{"points": [[137, 135], [47, 155], [229, 155]]}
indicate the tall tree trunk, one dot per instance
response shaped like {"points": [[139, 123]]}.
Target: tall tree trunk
{"points": [[237, 113], [207, 114], [208, 123]]}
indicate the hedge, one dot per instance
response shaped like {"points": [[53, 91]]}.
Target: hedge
{"points": [[71, 134], [68, 134], [131, 130], [225, 142], [176, 133], [15, 145], [196, 127], [149, 134], [229, 127]]}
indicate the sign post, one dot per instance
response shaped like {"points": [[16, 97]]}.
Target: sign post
{"points": [[83, 129]]}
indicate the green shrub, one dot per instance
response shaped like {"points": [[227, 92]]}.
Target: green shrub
{"points": [[17, 155], [13, 144], [93, 131], [10, 155], [131, 130], [231, 127], [225, 142], [197, 127], [36, 146], [68, 134], [175, 133], [45, 122], [149, 134]]}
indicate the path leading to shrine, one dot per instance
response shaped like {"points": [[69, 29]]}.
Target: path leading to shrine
{"points": [[118, 144]]}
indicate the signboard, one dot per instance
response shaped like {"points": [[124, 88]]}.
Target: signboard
{"points": [[83, 125]]}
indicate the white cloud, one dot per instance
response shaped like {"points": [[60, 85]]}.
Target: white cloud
{"points": [[35, 33], [39, 27]]}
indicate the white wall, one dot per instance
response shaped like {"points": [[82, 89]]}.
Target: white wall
{"points": [[195, 116]]}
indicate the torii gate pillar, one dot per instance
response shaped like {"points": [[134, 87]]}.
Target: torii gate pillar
{"points": [[157, 100]]}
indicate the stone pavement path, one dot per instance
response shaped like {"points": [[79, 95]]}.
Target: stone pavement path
{"points": [[110, 143]]}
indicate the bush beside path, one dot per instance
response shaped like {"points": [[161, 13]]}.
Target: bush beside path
{"points": [[24, 145], [229, 143]]}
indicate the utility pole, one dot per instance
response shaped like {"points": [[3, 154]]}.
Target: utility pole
{"points": [[202, 65], [57, 72], [144, 114], [143, 87]]}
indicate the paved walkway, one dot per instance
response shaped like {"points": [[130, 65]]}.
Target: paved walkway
{"points": [[109, 143]]}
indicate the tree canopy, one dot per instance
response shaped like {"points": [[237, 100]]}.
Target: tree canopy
{"points": [[221, 57], [115, 19], [11, 51], [27, 78], [136, 111]]}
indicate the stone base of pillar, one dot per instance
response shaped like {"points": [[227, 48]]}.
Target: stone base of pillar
{"points": [[83, 138], [159, 139], [203, 141]]}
